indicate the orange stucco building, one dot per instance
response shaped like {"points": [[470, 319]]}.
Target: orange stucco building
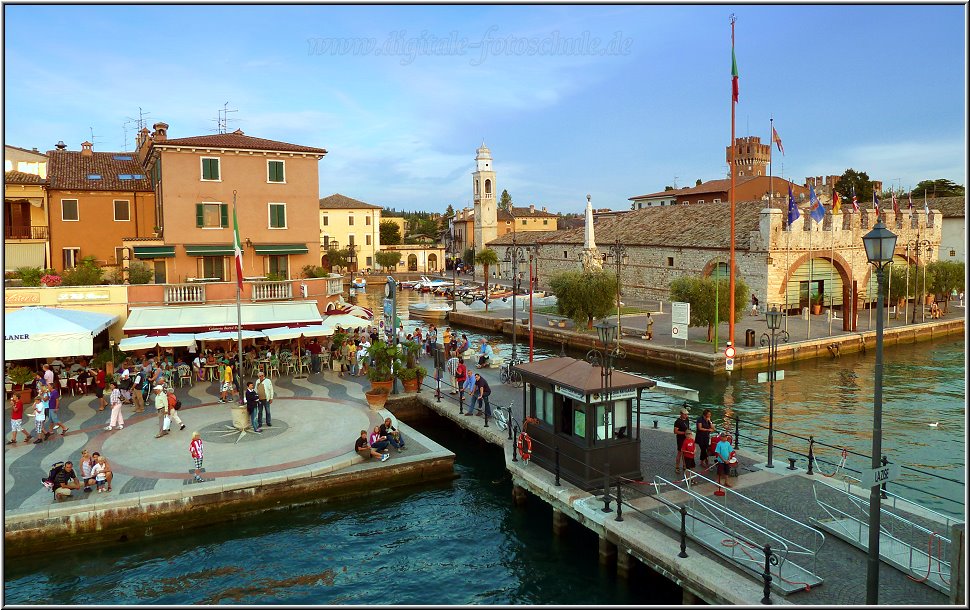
{"points": [[275, 185], [96, 199]]}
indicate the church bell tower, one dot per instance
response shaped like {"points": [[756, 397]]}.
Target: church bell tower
{"points": [[483, 185]]}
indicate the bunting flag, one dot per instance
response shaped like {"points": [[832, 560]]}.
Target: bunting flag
{"points": [[777, 140], [855, 200], [238, 248], [895, 204], [818, 210], [836, 203], [911, 202], [793, 212], [926, 206], [734, 71], [875, 203]]}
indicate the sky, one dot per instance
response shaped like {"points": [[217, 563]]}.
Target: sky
{"points": [[611, 101]]}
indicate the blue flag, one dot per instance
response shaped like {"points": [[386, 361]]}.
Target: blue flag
{"points": [[793, 212], [818, 210]]}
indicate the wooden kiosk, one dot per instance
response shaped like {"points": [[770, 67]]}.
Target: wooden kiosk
{"points": [[592, 425]]}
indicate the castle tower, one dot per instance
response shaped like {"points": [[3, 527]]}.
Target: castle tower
{"points": [[483, 185], [750, 156]]}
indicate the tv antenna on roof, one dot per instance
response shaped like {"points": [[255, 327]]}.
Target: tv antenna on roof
{"points": [[222, 121], [140, 123], [94, 138]]}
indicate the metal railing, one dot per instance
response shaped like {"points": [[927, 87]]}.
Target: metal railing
{"points": [[26, 232], [184, 293], [272, 291]]}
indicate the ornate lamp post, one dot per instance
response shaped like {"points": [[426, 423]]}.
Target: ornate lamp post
{"points": [[617, 254], [607, 333], [917, 246], [452, 244], [880, 243], [514, 255], [771, 340]]}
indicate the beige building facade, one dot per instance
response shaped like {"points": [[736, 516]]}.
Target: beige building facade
{"points": [[345, 221]]}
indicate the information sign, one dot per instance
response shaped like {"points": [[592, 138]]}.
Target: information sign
{"points": [[877, 476], [679, 320]]}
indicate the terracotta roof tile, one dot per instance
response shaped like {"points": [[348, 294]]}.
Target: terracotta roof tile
{"points": [[69, 170], [237, 139], [529, 212], [342, 202], [522, 238], [22, 178], [952, 207]]}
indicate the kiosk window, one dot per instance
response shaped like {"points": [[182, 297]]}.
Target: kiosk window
{"points": [[605, 428], [543, 405], [566, 416], [579, 422]]}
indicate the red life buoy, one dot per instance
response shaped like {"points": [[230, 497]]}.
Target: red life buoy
{"points": [[524, 443]]}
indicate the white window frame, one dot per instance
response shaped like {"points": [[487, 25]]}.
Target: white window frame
{"points": [[225, 272], [700, 201], [351, 239], [219, 227], [717, 201], [77, 255], [367, 220], [266, 264], [77, 207], [114, 210], [268, 181], [367, 239], [269, 216], [202, 169]]}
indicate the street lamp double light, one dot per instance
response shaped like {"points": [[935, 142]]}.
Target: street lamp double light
{"points": [[606, 331], [771, 340], [514, 255], [880, 244]]}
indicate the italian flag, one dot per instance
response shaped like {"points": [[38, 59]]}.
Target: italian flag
{"points": [[238, 249], [734, 73]]}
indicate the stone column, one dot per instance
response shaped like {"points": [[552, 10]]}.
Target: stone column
{"points": [[607, 550], [559, 522], [518, 495], [623, 563]]}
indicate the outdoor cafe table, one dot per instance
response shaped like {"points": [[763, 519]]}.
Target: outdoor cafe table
{"points": [[211, 371]]}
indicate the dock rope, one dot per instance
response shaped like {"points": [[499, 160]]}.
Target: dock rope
{"points": [[838, 467]]}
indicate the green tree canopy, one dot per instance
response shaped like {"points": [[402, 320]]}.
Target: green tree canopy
{"points": [[703, 293], [87, 273], [388, 259], [943, 277], [941, 187], [449, 211], [390, 233], [505, 201], [338, 258], [468, 258], [863, 186], [582, 296]]}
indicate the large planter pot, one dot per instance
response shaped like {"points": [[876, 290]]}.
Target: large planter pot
{"points": [[240, 417], [385, 385], [26, 395], [410, 385], [109, 368], [376, 400], [816, 310]]}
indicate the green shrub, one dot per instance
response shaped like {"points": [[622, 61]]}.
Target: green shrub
{"points": [[86, 273], [140, 273], [314, 271], [30, 276]]}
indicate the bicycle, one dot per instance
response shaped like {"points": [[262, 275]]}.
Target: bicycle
{"points": [[508, 375], [502, 416]]}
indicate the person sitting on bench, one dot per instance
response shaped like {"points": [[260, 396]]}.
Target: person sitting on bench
{"points": [[485, 354]]}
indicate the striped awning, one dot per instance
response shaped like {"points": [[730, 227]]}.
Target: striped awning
{"points": [[220, 250], [273, 249], [154, 251]]}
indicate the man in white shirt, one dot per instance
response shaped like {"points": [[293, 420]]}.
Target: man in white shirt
{"points": [[48, 375], [451, 367], [362, 358]]}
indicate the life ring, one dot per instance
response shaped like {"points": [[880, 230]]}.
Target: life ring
{"points": [[524, 443]]}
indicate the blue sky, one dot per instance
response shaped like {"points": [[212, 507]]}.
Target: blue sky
{"points": [[880, 89]]}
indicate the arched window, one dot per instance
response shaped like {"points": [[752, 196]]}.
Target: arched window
{"points": [[488, 187], [476, 186], [432, 262]]}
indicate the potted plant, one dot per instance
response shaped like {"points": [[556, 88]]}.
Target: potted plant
{"points": [[421, 374], [817, 301], [22, 376], [50, 280], [376, 397], [408, 371], [383, 358], [409, 378]]}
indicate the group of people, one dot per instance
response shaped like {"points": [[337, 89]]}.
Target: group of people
{"points": [[687, 444], [381, 438], [95, 473]]}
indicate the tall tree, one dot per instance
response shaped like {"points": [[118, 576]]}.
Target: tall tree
{"points": [[702, 294], [941, 187], [390, 233], [945, 277], [388, 259], [505, 201], [449, 211], [582, 296], [863, 186], [486, 257]]}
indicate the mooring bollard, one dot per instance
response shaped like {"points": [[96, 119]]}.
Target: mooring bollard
{"points": [[655, 422], [510, 423], [770, 560], [437, 391], [619, 502], [811, 455], [882, 494], [557, 467], [514, 457], [683, 533], [791, 463]]}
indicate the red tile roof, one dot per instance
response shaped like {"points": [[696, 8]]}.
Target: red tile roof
{"points": [[342, 202], [69, 170], [238, 139], [22, 178], [529, 212]]}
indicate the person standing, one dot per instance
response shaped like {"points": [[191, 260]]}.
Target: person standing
{"points": [[681, 427], [252, 401], [264, 389], [39, 417], [117, 419], [100, 478], [722, 454], [17, 420], [362, 357], [649, 334], [53, 405], [161, 408], [173, 412], [99, 386], [48, 375], [446, 342], [196, 451], [451, 367], [704, 427], [138, 391], [227, 384], [482, 392], [315, 350], [689, 449]]}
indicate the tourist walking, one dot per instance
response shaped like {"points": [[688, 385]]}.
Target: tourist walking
{"points": [[482, 393], [99, 386], [451, 367], [704, 427], [196, 450], [161, 408], [117, 419], [173, 409], [681, 427], [227, 384], [252, 402], [264, 389], [39, 416], [17, 420]]}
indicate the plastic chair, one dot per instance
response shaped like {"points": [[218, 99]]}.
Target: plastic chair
{"points": [[184, 372], [274, 367]]}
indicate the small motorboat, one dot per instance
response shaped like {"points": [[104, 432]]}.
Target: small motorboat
{"points": [[359, 283], [431, 311]]}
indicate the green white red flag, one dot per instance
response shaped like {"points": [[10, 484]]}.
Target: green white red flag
{"points": [[238, 249], [734, 72]]}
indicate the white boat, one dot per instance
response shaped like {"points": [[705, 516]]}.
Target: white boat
{"points": [[434, 311], [426, 284], [359, 282]]}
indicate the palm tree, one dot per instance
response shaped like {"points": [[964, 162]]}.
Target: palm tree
{"points": [[485, 258]]}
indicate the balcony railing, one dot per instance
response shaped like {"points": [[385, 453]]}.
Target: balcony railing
{"points": [[272, 291], [25, 232], [335, 284], [184, 293]]}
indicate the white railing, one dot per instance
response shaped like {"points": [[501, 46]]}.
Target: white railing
{"points": [[335, 284], [184, 293], [272, 291]]}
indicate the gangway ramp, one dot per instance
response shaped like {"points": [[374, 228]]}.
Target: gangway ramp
{"points": [[737, 528]]}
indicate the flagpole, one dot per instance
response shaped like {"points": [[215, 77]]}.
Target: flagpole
{"points": [[771, 170], [239, 359], [831, 278], [787, 270], [906, 312], [811, 273], [734, 99]]}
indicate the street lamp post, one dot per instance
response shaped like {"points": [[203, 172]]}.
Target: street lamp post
{"points": [[617, 253], [514, 255], [452, 243], [917, 246], [771, 340], [880, 243], [607, 333]]}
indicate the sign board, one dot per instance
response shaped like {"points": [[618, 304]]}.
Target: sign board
{"points": [[729, 351], [91, 295], [763, 377], [729, 364], [679, 320], [596, 396], [877, 476], [15, 297]]}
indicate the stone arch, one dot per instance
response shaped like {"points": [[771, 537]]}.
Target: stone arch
{"points": [[488, 187], [432, 262], [412, 262], [711, 264], [838, 261]]}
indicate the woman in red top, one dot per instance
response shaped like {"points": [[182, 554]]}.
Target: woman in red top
{"points": [[99, 388]]}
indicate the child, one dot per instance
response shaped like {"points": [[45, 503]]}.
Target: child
{"points": [[688, 449], [252, 400], [195, 450], [100, 476], [39, 417], [17, 420]]}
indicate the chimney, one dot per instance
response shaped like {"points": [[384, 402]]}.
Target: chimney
{"points": [[161, 132], [544, 209], [34, 149], [60, 145], [86, 149], [532, 208]]}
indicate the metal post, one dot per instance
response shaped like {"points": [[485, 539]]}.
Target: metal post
{"points": [[514, 457], [531, 290], [607, 498], [737, 432], [882, 494], [872, 572], [683, 533], [619, 502], [437, 392], [770, 559], [772, 366], [811, 454], [557, 466]]}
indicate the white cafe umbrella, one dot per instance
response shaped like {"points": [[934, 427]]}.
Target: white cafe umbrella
{"points": [[284, 333], [139, 342], [48, 332], [344, 321], [228, 335]]}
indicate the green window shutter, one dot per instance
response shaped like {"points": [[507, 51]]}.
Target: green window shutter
{"points": [[280, 216], [224, 215], [215, 169], [199, 215]]}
